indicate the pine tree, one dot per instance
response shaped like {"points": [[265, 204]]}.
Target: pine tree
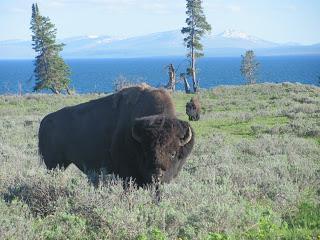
{"points": [[51, 72], [249, 67], [197, 26]]}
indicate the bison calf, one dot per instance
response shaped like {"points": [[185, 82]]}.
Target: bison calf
{"points": [[133, 133], [193, 109]]}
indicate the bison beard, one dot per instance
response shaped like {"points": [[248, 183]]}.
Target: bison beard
{"points": [[133, 133]]}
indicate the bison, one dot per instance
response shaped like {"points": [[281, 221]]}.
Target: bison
{"points": [[193, 109], [133, 134]]}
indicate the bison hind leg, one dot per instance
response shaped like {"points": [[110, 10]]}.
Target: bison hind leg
{"points": [[97, 177]]}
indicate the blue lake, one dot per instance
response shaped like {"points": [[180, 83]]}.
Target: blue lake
{"points": [[98, 75]]}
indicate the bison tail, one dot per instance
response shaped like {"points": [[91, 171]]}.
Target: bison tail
{"points": [[41, 141], [43, 137]]}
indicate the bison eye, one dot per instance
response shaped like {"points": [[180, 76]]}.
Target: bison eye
{"points": [[173, 155]]}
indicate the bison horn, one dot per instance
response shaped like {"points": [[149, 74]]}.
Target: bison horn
{"points": [[187, 138]]}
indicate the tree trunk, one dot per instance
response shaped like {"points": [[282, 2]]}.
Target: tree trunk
{"points": [[193, 67], [186, 84], [20, 88], [68, 91], [193, 72], [172, 78], [55, 91]]}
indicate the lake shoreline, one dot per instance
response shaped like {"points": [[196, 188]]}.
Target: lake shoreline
{"points": [[39, 94], [100, 75]]}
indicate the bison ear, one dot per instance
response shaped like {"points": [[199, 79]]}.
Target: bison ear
{"points": [[146, 127], [137, 129]]}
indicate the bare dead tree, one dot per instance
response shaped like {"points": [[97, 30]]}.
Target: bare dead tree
{"points": [[172, 78]]}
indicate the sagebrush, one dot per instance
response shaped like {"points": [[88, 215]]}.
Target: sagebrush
{"points": [[254, 174]]}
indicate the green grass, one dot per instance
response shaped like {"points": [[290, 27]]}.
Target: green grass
{"points": [[235, 128], [254, 173]]}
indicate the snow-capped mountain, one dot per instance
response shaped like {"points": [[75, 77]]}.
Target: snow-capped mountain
{"points": [[82, 43], [170, 43], [236, 39], [231, 33]]}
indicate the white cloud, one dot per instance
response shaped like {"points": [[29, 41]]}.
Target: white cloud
{"points": [[291, 8], [56, 3], [222, 6], [233, 8], [153, 6], [156, 7], [18, 10]]}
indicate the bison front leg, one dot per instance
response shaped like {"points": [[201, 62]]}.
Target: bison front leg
{"points": [[93, 178], [97, 177]]}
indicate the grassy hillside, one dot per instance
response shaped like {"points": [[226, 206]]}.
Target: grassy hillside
{"points": [[254, 174]]}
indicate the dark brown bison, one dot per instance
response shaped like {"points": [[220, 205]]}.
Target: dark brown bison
{"points": [[193, 109], [133, 133]]}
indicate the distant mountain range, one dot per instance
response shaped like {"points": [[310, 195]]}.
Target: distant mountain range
{"points": [[162, 44]]}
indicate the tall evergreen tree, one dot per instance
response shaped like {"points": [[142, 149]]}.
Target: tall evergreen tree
{"points": [[51, 72], [197, 26], [249, 67]]}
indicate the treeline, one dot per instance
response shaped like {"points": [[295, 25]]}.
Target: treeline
{"points": [[52, 73]]}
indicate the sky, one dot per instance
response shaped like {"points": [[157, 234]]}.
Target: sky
{"points": [[280, 21]]}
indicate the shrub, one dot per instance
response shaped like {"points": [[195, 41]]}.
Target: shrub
{"points": [[41, 195]]}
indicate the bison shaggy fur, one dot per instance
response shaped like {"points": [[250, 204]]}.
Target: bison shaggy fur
{"points": [[133, 133]]}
